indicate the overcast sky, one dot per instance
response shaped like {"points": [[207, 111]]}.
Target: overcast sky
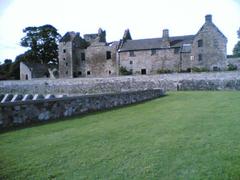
{"points": [[144, 18]]}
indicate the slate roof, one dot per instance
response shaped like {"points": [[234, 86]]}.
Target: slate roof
{"points": [[156, 43], [38, 70], [69, 36]]}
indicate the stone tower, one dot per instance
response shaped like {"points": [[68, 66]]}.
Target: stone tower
{"points": [[209, 47]]}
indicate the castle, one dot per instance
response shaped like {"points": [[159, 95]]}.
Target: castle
{"points": [[92, 56]]}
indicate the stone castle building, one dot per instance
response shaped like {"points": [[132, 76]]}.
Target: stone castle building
{"points": [[92, 56]]}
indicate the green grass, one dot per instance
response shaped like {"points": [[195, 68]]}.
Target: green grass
{"points": [[185, 135]]}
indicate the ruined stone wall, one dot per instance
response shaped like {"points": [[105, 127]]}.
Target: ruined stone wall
{"points": [[81, 86], [164, 59], [27, 112], [25, 73]]}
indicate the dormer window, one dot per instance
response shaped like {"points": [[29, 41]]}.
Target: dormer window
{"points": [[131, 53], [200, 43], [153, 52]]}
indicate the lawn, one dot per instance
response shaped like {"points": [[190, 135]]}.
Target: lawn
{"points": [[184, 135]]}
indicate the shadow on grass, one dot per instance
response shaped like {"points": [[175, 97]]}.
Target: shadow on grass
{"points": [[73, 117]]}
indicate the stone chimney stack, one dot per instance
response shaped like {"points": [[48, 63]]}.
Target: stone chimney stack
{"points": [[208, 18], [165, 39], [165, 34]]}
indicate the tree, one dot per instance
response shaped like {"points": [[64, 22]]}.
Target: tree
{"points": [[236, 50], [43, 44]]}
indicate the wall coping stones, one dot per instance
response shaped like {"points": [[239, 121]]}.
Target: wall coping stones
{"points": [[26, 112]]}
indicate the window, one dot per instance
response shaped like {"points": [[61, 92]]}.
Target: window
{"points": [[74, 74], [66, 64], [109, 72], [83, 56], [131, 71], [215, 68], [64, 50], [79, 73], [131, 62], [26, 77], [200, 57], [66, 72], [176, 50], [200, 43], [143, 71], [131, 53], [108, 55], [153, 52], [64, 59], [88, 72]]}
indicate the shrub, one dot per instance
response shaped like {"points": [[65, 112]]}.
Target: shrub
{"points": [[124, 71], [164, 71], [197, 69], [232, 67]]}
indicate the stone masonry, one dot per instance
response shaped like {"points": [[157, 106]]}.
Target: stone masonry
{"points": [[92, 56], [31, 111], [83, 86]]}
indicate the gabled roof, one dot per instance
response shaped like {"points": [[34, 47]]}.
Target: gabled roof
{"points": [[69, 36], [156, 43], [214, 26]]}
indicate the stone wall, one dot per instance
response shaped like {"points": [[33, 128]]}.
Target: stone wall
{"points": [[25, 112], [82, 86]]}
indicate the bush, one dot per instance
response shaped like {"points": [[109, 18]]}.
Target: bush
{"points": [[232, 67], [164, 71], [197, 69], [124, 71]]}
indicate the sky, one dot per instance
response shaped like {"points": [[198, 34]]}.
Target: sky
{"points": [[144, 18]]}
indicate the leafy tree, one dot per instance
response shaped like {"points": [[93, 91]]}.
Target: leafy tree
{"points": [[236, 50], [43, 44]]}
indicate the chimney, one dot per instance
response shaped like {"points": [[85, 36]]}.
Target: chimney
{"points": [[208, 18], [165, 34]]}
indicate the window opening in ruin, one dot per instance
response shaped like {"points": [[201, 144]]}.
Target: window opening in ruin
{"points": [[26, 77], [200, 57], [79, 73], [88, 72], [200, 43], [109, 72], [83, 56], [64, 50], [108, 55], [143, 71], [153, 52], [131, 53], [66, 64], [66, 72], [64, 59], [131, 62]]}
